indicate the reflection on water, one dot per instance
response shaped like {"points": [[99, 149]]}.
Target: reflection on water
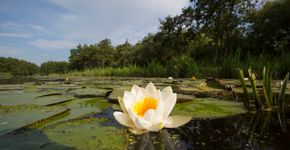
{"points": [[16, 80], [248, 131], [160, 140]]}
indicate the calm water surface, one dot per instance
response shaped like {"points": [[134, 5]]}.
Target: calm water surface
{"points": [[246, 131]]}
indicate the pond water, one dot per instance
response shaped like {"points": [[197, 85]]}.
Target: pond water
{"points": [[78, 115], [244, 131], [16, 80]]}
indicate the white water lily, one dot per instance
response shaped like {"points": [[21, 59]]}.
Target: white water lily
{"points": [[148, 109]]}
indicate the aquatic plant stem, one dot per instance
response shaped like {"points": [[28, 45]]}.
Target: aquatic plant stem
{"points": [[245, 98], [282, 92], [267, 87], [252, 79]]}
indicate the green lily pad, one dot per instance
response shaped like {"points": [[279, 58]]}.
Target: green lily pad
{"points": [[9, 87], [36, 98], [30, 87], [89, 92], [208, 108], [113, 96], [87, 134], [29, 140], [52, 100], [15, 117], [184, 98], [204, 91], [81, 107], [58, 87], [19, 98], [119, 92]]}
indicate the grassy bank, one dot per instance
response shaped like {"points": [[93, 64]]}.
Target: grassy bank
{"points": [[201, 69]]}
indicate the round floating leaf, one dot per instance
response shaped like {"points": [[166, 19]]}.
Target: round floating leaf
{"points": [[89, 92], [14, 117], [52, 100], [87, 134], [208, 108], [81, 107], [19, 98]]}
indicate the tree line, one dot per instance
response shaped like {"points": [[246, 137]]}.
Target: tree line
{"points": [[17, 67], [219, 35], [209, 38]]}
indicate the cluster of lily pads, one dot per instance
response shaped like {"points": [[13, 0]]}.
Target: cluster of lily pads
{"points": [[80, 114]]}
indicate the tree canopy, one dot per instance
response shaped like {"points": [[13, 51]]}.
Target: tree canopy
{"points": [[17, 67], [218, 35]]}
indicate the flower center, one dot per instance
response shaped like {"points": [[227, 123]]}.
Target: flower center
{"points": [[141, 106]]}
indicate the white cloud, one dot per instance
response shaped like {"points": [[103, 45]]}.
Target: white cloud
{"points": [[36, 27], [93, 20], [15, 35], [16, 26], [9, 51], [65, 23], [10, 25], [52, 44]]}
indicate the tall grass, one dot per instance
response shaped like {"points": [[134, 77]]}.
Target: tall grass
{"points": [[266, 100], [110, 71], [185, 66]]}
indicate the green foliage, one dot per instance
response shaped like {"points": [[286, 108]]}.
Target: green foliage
{"points": [[270, 27], [17, 67], [281, 99], [182, 66], [124, 54], [266, 100], [252, 78], [267, 87], [282, 65], [54, 67], [155, 69], [110, 71], [91, 56], [243, 84], [229, 64], [208, 39]]}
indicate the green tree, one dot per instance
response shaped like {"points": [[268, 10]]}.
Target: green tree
{"points": [[17, 67], [75, 59], [54, 67], [223, 21], [271, 28], [124, 54]]}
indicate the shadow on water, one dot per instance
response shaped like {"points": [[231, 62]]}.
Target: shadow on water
{"points": [[248, 131], [29, 139]]}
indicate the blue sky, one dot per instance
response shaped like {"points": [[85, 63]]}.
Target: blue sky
{"points": [[42, 30]]}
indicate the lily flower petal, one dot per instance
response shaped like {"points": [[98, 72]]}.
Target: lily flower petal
{"points": [[139, 122], [124, 119], [169, 100], [121, 102], [149, 115], [134, 89], [158, 116], [142, 123], [148, 109], [150, 88], [128, 100], [176, 121]]}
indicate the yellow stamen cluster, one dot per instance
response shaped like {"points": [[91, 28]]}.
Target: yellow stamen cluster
{"points": [[141, 106]]}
